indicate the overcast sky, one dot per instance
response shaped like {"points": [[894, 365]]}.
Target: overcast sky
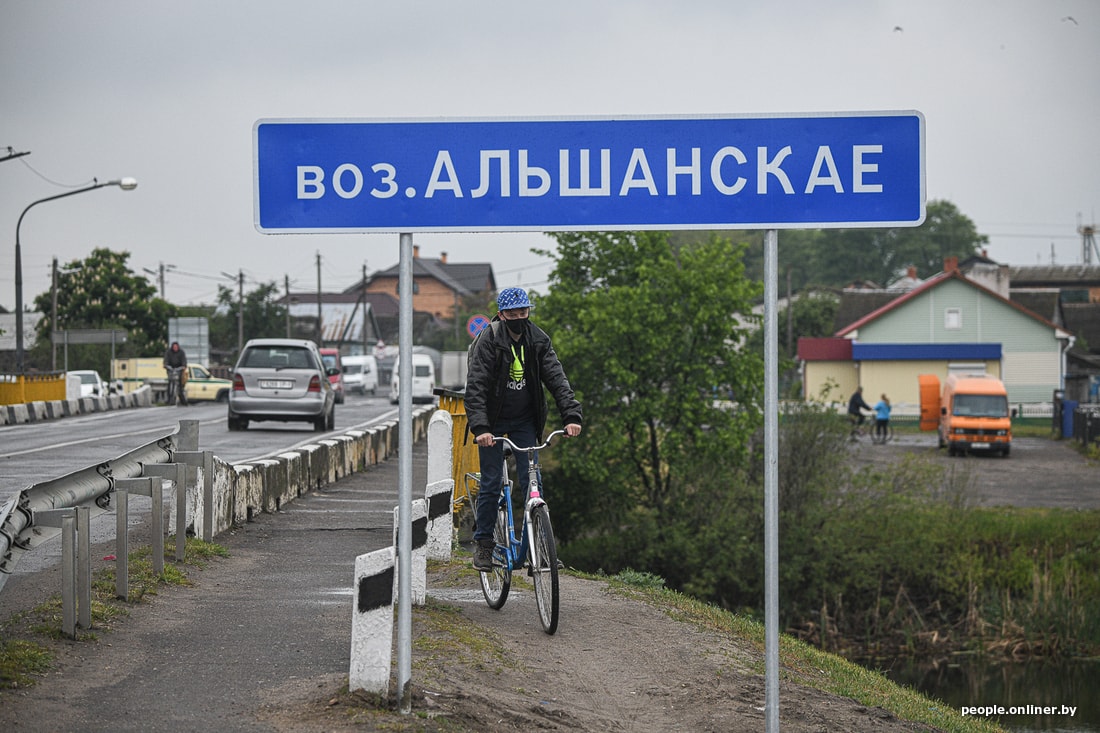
{"points": [[168, 93]]}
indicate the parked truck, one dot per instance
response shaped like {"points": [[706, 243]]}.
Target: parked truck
{"points": [[970, 413], [201, 385]]}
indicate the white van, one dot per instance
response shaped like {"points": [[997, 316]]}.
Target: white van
{"points": [[423, 379], [360, 374]]}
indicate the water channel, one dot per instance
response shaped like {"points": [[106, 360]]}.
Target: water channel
{"points": [[977, 682]]}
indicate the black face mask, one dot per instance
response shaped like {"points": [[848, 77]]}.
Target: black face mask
{"points": [[516, 325]]}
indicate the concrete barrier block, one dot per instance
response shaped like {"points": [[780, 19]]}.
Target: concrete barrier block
{"points": [[372, 622], [356, 450], [248, 492], [222, 484], [347, 454], [271, 484], [419, 560], [334, 461], [440, 446], [314, 465], [296, 467], [440, 501], [18, 414]]}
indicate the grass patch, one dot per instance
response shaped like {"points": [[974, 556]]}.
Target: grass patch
{"points": [[24, 636], [20, 660], [807, 665]]}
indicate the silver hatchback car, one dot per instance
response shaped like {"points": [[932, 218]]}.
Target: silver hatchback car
{"points": [[284, 380]]}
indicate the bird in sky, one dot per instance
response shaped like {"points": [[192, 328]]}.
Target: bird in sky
{"points": [[898, 29], [1070, 18]]}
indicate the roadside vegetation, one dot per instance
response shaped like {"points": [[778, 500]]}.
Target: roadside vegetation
{"points": [[802, 663], [26, 637], [872, 561]]}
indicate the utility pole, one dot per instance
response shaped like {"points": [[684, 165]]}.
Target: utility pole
{"points": [[790, 307], [240, 312], [320, 337], [286, 290], [1088, 243], [53, 316], [366, 348]]}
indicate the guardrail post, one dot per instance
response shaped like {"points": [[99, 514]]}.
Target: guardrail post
{"points": [[122, 543], [177, 472], [153, 487], [188, 437], [68, 575], [76, 573], [84, 565]]}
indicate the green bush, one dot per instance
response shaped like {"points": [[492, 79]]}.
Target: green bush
{"points": [[870, 559]]}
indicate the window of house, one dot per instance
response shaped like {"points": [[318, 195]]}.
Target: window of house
{"points": [[952, 319]]}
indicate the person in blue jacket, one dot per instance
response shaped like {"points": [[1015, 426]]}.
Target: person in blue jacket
{"points": [[882, 417]]}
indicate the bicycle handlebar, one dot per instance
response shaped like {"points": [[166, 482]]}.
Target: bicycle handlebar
{"points": [[550, 437]]}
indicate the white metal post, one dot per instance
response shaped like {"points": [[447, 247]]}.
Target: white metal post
{"points": [[404, 477], [771, 482]]}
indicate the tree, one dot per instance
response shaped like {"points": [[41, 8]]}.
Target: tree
{"points": [[837, 257], [102, 292], [881, 255], [264, 317], [649, 334]]}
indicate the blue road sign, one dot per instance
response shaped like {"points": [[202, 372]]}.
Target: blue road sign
{"points": [[761, 172]]}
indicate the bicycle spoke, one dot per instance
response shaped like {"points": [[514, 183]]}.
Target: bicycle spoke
{"points": [[544, 568], [496, 583]]}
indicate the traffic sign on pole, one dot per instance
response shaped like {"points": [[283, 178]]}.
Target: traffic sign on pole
{"points": [[809, 171]]}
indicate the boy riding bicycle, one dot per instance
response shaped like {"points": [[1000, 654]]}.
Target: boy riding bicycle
{"points": [[510, 361]]}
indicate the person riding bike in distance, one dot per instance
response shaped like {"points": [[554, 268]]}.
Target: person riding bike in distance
{"points": [[509, 363], [175, 357], [856, 406]]}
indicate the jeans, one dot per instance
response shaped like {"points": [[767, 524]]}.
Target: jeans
{"points": [[522, 433]]}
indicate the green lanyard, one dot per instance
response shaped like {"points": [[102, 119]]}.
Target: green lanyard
{"points": [[515, 371]]}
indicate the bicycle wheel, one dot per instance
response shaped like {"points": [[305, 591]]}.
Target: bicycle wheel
{"points": [[495, 583], [544, 573]]}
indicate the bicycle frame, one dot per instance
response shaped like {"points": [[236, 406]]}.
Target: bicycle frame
{"points": [[518, 548]]}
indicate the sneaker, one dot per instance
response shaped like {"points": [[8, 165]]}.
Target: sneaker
{"points": [[483, 557]]}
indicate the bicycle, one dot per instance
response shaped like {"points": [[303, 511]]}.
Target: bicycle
{"points": [[857, 429], [175, 386], [884, 437], [535, 544]]}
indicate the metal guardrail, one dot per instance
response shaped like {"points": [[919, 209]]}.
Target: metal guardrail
{"points": [[89, 488]]}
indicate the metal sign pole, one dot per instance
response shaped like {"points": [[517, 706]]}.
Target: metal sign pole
{"points": [[404, 477], [771, 482]]}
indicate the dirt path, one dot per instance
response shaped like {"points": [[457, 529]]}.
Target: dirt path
{"points": [[615, 664]]}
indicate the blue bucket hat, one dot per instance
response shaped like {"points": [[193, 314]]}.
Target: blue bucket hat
{"points": [[511, 298]]}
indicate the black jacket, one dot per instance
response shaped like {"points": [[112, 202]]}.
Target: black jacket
{"points": [[856, 403], [487, 375], [175, 358]]}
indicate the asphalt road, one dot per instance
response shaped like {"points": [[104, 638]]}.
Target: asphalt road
{"points": [[1040, 472], [39, 451]]}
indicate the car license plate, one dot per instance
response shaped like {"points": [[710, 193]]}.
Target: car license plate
{"points": [[276, 384], [979, 446]]}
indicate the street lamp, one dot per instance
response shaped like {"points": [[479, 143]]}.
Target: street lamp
{"points": [[126, 184]]}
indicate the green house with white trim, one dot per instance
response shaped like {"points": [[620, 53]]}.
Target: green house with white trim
{"points": [[947, 324]]}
